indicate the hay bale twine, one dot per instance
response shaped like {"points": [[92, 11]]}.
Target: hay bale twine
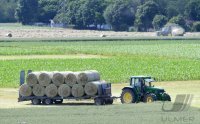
{"points": [[58, 78], [38, 90], [45, 78], [25, 90], [70, 78], [88, 76], [64, 90], [91, 88], [51, 90], [78, 90], [32, 78]]}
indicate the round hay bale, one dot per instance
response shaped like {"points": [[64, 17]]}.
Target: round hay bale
{"points": [[38, 90], [58, 78], [70, 78], [177, 31], [45, 78], [88, 76], [25, 90], [64, 90], [9, 35], [103, 35], [91, 88], [32, 78], [96, 75], [51, 90], [78, 90]]}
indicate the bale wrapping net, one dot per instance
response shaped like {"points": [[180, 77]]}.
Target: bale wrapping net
{"points": [[88, 76], [58, 78], [32, 78], [51, 90], [45, 78], [64, 90], [38, 90], [91, 88], [25, 90], [78, 90], [70, 78]]}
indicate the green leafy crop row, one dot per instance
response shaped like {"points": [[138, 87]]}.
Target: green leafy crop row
{"points": [[114, 69]]}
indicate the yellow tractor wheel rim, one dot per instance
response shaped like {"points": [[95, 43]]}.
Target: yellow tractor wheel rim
{"points": [[128, 97], [149, 99]]}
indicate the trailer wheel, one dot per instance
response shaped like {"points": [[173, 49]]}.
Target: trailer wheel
{"points": [[60, 101], [109, 101], [99, 101], [48, 101], [36, 101]]}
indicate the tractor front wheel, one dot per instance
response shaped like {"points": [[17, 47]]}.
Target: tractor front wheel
{"points": [[166, 97], [127, 96], [148, 98]]}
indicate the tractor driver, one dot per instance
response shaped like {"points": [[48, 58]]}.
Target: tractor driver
{"points": [[142, 85], [142, 82]]}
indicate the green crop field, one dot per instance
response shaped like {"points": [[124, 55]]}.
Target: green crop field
{"points": [[167, 60], [112, 69], [158, 48]]}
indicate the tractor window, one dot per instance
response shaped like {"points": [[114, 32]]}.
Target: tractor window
{"points": [[132, 81], [150, 84], [137, 82]]}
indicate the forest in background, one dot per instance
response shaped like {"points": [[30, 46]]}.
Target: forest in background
{"points": [[122, 15]]}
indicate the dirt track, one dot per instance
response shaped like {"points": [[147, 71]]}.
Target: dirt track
{"points": [[8, 96], [79, 56]]}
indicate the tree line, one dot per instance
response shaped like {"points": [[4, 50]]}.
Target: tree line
{"points": [[122, 15]]}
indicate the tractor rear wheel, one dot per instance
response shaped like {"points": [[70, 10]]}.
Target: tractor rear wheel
{"points": [[148, 98], [127, 96]]}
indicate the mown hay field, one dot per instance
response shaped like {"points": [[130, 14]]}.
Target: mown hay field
{"points": [[89, 114]]}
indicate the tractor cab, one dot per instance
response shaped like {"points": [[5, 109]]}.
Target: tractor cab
{"points": [[141, 84], [141, 81], [141, 89]]}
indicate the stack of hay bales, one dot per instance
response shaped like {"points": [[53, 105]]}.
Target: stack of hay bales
{"points": [[64, 84]]}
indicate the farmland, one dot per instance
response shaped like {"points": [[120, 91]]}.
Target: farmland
{"points": [[174, 63], [74, 111], [115, 114], [115, 60]]}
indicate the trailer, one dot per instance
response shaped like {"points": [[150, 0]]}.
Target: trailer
{"points": [[104, 96]]}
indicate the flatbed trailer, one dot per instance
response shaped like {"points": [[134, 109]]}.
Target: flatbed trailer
{"points": [[104, 95]]}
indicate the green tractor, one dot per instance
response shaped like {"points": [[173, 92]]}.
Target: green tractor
{"points": [[141, 89]]}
